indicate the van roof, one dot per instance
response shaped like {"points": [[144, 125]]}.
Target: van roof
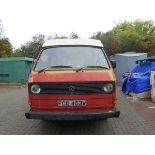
{"points": [[61, 42]]}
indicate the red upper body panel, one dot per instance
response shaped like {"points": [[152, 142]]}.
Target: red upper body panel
{"points": [[73, 76]]}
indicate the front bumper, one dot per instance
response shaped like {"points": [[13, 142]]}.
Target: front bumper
{"points": [[72, 115]]}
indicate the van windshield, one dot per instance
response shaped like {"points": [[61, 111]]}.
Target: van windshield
{"points": [[73, 57]]}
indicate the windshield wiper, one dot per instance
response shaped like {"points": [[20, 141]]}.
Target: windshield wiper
{"points": [[60, 66], [84, 67]]}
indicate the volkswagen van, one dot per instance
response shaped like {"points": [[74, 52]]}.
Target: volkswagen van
{"points": [[72, 79]]}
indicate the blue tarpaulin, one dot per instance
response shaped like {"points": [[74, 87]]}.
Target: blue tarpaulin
{"points": [[138, 79]]}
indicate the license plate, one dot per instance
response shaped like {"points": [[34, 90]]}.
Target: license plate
{"points": [[71, 103]]}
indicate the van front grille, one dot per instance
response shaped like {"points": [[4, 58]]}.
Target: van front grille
{"points": [[72, 88]]}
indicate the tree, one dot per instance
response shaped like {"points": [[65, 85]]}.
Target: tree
{"points": [[5, 44], [128, 38], [56, 36], [32, 48], [5, 47], [147, 29], [135, 36], [73, 35], [98, 35], [108, 40], [17, 53]]}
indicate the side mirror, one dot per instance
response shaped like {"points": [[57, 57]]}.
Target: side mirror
{"points": [[113, 63]]}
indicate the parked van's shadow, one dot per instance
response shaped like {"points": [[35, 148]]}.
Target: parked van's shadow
{"points": [[72, 127]]}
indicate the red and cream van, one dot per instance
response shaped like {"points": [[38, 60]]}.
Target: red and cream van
{"points": [[72, 79]]}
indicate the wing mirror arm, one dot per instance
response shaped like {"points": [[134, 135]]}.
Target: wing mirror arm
{"points": [[33, 62]]}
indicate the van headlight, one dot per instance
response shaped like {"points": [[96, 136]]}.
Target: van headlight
{"points": [[35, 89], [108, 88]]}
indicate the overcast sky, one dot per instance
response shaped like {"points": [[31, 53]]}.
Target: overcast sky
{"points": [[24, 18]]}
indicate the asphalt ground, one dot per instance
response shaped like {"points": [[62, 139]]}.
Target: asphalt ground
{"points": [[13, 105]]}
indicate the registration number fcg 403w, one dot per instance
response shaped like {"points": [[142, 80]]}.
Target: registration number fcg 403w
{"points": [[71, 103]]}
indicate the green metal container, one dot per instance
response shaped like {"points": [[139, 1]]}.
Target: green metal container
{"points": [[15, 69]]}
